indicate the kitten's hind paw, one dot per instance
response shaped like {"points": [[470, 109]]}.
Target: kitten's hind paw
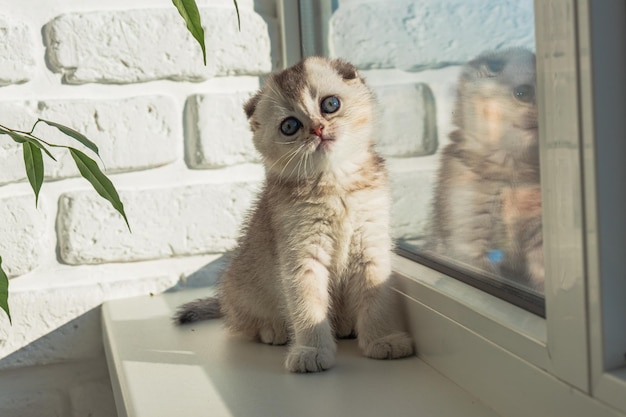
{"points": [[309, 359], [392, 346], [273, 336]]}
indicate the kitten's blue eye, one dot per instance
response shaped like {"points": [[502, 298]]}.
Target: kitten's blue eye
{"points": [[290, 126], [330, 104], [524, 93]]}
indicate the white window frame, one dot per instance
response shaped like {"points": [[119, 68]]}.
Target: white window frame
{"points": [[573, 362], [604, 140]]}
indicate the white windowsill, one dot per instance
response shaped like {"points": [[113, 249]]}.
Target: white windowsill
{"points": [[158, 369], [498, 352], [515, 329]]}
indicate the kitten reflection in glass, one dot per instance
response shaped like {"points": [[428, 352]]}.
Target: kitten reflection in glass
{"points": [[487, 202]]}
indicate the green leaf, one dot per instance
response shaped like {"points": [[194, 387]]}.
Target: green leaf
{"points": [[33, 161], [74, 134], [22, 138], [189, 11], [38, 145], [4, 292], [238, 17], [103, 186], [17, 137]]}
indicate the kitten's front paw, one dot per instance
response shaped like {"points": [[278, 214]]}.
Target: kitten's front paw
{"points": [[309, 359], [392, 346]]}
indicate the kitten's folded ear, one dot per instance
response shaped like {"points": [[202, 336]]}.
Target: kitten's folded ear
{"points": [[485, 66], [347, 71], [250, 107]]}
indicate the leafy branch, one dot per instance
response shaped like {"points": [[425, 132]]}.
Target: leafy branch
{"points": [[33, 148]]}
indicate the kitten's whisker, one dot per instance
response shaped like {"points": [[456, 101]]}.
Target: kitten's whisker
{"points": [[305, 162], [296, 153], [291, 159], [286, 155], [302, 164], [308, 159], [298, 166]]}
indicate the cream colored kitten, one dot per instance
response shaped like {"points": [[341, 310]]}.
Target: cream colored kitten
{"points": [[313, 261]]}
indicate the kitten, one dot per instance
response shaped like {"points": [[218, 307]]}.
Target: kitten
{"points": [[487, 205], [313, 261]]}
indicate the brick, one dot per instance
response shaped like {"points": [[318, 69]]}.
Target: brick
{"points": [[17, 51], [132, 134], [219, 133], [408, 125], [412, 183], [414, 34], [22, 233], [166, 222], [248, 52], [149, 44]]}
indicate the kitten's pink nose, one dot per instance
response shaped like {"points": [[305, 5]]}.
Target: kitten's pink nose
{"points": [[317, 130]]}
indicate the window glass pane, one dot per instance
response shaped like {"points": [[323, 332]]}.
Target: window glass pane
{"points": [[455, 81]]}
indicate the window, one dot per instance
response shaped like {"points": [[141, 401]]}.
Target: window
{"points": [[458, 104], [523, 348]]}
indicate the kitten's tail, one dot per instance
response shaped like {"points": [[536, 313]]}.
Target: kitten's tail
{"points": [[200, 309]]}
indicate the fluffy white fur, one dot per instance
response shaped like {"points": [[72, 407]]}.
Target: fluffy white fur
{"points": [[313, 261]]}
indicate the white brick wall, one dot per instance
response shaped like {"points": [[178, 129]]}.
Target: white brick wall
{"points": [[176, 144], [17, 61], [123, 77], [149, 44], [166, 222], [412, 182], [21, 231], [218, 132], [131, 133], [63, 319], [418, 34], [407, 118]]}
